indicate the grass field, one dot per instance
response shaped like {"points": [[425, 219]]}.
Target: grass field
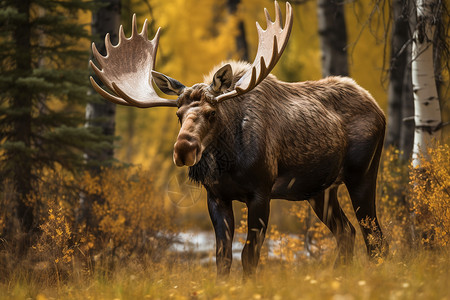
{"points": [[129, 255], [421, 274]]}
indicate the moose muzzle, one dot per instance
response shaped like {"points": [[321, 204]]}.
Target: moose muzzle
{"points": [[187, 151]]}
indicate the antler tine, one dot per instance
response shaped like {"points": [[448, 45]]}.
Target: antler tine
{"points": [[271, 43], [108, 44], [278, 16], [100, 75], [156, 38], [122, 36], [98, 57], [155, 42], [126, 69], [134, 30], [268, 18], [144, 29], [107, 95], [287, 27]]}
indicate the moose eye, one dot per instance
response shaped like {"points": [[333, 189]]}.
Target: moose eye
{"points": [[210, 115]]}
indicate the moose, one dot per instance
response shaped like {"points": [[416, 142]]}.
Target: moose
{"points": [[247, 136]]}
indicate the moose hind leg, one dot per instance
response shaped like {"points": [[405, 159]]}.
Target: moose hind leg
{"points": [[258, 217], [327, 208], [361, 185]]}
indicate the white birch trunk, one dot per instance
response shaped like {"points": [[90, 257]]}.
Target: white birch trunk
{"points": [[427, 112]]}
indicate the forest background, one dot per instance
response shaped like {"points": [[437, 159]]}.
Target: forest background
{"points": [[142, 201]]}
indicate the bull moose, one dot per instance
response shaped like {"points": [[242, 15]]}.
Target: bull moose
{"points": [[247, 136]]}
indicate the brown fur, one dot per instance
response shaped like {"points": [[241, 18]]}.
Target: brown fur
{"points": [[282, 140]]}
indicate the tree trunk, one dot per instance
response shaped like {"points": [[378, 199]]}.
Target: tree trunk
{"points": [[407, 125], [333, 37], [21, 133], [101, 113], [427, 116], [400, 130], [399, 55], [241, 41]]}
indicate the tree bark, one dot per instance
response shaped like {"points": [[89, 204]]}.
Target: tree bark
{"points": [[399, 40], [333, 37], [101, 113], [407, 125], [427, 115], [21, 134]]}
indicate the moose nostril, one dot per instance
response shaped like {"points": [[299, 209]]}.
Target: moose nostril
{"points": [[179, 161], [185, 150]]}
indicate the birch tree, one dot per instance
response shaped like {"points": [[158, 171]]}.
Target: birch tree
{"points": [[427, 115]]}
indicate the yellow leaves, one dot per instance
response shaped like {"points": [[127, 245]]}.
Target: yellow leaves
{"points": [[41, 297], [54, 243], [291, 247], [197, 35], [130, 214], [130, 211], [91, 184], [431, 195], [287, 247]]}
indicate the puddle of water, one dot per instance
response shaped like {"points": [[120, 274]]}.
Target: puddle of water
{"points": [[205, 243]]}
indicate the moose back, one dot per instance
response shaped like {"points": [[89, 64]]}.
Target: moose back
{"points": [[247, 136]]}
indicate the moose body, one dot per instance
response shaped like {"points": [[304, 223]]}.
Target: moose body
{"points": [[288, 141], [247, 136]]}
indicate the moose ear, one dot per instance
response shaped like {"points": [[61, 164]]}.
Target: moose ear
{"points": [[166, 84], [222, 79]]}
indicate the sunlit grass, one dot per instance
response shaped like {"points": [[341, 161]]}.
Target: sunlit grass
{"points": [[123, 259], [419, 275]]}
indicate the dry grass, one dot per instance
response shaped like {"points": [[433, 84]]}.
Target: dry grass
{"points": [[68, 261], [419, 275]]}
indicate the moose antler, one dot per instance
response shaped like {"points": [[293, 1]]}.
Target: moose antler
{"points": [[272, 42], [126, 69]]}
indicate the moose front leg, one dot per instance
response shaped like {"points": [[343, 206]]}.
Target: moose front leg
{"points": [[221, 213], [258, 217]]}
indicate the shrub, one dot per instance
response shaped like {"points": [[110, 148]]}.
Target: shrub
{"points": [[430, 194], [131, 223]]}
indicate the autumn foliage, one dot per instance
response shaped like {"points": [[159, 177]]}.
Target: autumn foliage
{"points": [[430, 196], [122, 249], [130, 219]]}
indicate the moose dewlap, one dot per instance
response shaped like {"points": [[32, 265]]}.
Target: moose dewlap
{"points": [[247, 136]]}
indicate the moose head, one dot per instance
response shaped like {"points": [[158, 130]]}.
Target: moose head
{"points": [[127, 70]]}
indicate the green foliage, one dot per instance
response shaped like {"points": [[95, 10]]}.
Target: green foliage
{"points": [[43, 81]]}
